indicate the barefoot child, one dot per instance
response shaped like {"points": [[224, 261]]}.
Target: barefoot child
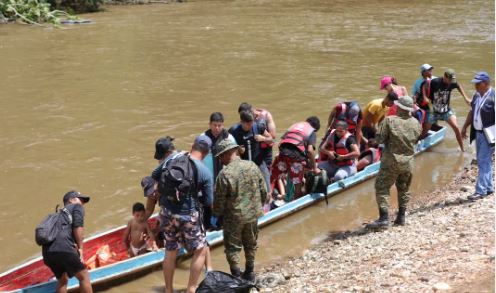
{"points": [[138, 236]]}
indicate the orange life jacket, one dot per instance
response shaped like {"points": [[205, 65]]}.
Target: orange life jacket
{"points": [[340, 148], [298, 135]]}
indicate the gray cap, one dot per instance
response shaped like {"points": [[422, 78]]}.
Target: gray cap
{"points": [[405, 103], [224, 146], [425, 67]]}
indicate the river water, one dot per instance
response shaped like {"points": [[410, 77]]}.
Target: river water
{"points": [[81, 107]]}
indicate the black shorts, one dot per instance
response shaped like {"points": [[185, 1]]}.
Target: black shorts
{"points": [[63, 262]]}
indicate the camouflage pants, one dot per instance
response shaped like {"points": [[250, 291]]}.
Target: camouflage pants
{"points": [[389, 175], [237, 236]]}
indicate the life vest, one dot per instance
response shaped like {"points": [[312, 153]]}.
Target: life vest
{"points": [[263, 115], [392, 110], [339, 148], [298, 135], [343, 114], [374, 153]]}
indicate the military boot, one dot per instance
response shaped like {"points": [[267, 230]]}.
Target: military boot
{"points": [[249, 274], [400, 218], [236, 272], [381, 223]]}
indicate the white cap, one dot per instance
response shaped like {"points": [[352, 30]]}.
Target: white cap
{"points": [[425, 67]]}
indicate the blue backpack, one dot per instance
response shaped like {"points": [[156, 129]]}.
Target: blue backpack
{"points": [[46, 232]]}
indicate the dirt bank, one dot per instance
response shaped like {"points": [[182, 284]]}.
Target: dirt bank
{"points": [[447, 245]]}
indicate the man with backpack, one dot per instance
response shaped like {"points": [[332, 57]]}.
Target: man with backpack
{"points": [[182, 178], [64, 255]]}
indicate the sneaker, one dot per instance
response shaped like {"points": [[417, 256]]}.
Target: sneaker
{"points": [[476, 196]]}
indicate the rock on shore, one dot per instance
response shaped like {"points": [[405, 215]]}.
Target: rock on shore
{"points": [[448, 242]]}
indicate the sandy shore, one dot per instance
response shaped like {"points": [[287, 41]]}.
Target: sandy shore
{"points": [[447, 245]]}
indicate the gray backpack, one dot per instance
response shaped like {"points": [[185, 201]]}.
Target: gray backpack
{"points": [[46, 232]]}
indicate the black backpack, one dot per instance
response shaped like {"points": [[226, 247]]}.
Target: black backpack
{"points": [[178, 179], [46, 232], [216, 281]]}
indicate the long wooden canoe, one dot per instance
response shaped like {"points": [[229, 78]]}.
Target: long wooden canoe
{"points": [[34, 276]]}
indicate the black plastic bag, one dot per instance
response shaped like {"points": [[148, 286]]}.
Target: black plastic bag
{"points": [[216, 281]]}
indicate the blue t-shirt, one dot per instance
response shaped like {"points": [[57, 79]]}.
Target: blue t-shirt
{"points": [[189, 204], [417, 84]]}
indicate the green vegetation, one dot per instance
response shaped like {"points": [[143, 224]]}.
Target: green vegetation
{"points": [[38, 12]]}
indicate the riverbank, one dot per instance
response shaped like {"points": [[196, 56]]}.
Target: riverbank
{"points": [[447, 245]]}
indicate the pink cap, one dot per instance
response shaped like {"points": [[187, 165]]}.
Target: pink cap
{"points": [[385, 81]]}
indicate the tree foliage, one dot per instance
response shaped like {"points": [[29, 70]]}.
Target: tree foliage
{"points": [[40, 11]]}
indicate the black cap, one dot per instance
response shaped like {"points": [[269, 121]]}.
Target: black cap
{"points": [[162, 146], [148, 185], [73, 194]]}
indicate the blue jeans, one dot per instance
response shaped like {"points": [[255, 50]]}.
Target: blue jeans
{"points": [[485, 163]]}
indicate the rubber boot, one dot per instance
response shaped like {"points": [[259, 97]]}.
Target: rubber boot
{"points": [[400, 218], [249, 274], [381, 223], [236, 272]]}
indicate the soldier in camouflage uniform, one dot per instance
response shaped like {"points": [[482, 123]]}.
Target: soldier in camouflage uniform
{"points": [[240, 192], [399, 134]]}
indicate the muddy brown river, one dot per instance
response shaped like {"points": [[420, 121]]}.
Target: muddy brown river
{"points": [[81, 107]]}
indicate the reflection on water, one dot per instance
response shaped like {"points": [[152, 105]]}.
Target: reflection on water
{"points": [[81, 107]]}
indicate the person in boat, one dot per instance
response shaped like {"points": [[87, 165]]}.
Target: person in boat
{"points": [[371, 155], [341, 150], [481, 122], [240, 195], [374, 112], [212, 137], [399, 133], [438, 91], [181, 221], [425, 76], [64, 256], [296, 152], [349, 112], [266, 121], [390, 85], [138, 237], [250, 138]]}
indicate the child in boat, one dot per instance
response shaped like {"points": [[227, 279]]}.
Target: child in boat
{"points": [[138, 236]]}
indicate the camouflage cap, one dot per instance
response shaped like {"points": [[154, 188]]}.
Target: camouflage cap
{"points": [[224, 146], [405, 103]]}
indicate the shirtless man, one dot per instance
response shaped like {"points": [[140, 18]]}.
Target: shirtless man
{"points": [[138, 232]]}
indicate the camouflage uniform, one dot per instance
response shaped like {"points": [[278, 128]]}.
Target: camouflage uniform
{"points": [[240, 193], [399, 134]]}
